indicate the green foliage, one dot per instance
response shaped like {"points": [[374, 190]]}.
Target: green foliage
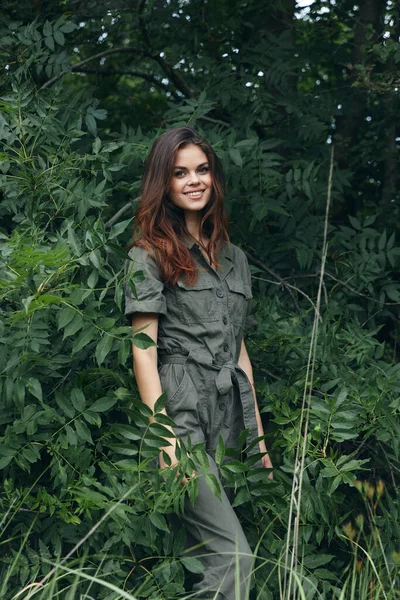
{"points": [[75, 440]]}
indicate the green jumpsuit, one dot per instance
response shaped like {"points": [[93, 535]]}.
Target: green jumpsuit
{"points": [[200, 332]]}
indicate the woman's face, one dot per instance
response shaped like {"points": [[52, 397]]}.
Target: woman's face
{"points": [[191, 182]]}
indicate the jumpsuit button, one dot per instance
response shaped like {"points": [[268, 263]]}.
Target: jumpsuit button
{"points": [[226, 347], [224, 320], [221, 406], [220, 293]]}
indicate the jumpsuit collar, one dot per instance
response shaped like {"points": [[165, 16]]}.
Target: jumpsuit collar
{"points": [[225, 259]]}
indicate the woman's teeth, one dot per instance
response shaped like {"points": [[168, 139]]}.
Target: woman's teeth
{"points": [[194, 194]]}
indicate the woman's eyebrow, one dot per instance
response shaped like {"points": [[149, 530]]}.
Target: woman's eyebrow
{"points": [[198, 166]]}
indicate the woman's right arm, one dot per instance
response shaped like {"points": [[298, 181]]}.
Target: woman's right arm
{"points": [[146, 374]]}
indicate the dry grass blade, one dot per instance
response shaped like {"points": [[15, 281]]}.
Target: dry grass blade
{"points": [[291, 552]]}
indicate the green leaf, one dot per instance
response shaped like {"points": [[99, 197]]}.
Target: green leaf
{"points": [[355, 222], [5, 461], [161, 403], [164, 419], [47, 29], [117, 250], [124, 449], [83, 431], [220, 450], [235, 466], [71, 436], [316, 560], [213, 484], [35, 388], [119, 228], [65, 316], [103, 404], [96, 145], [74, 242], [91, 124], [143, 341], [59, 37], [236, 156], [159, 521], [242, 497], [100, 114], [127, 431], [84, 338], [192, 564], [160, 430], [393, 294], [49, 41], [103, 348], [74, 326], [63, 403], [78, 399], [382, 240], [68, 27]]}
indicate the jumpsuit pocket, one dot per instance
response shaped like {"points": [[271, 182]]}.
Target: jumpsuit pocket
{"points": [[177, 384], [197, 303], [239, 300]]}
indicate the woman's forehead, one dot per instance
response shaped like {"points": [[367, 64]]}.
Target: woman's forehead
{"points": [[190, 155]]}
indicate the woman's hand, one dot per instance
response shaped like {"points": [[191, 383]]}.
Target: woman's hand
{"points": [[266, 461], [170, 451]]}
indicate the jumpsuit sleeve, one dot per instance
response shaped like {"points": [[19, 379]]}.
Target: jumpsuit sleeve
{"points": [[250, 321], [144, 292]]}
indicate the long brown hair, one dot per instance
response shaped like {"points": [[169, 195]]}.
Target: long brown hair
{"points": [[160, 225]]}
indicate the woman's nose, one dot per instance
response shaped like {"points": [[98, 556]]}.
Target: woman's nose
{"points": [[193, 178]]}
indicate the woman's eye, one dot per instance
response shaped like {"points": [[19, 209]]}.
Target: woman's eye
{"points": [[204, 170], [179, 173]]}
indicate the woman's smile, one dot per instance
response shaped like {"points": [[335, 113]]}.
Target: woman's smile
{"points": [[194, 193]]}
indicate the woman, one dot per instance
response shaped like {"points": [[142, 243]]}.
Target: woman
{"points": [[193, 302]]}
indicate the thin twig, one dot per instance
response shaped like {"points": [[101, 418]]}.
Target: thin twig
{"points": [[216, 121], [293, 288], [267, 269], [346, 285], [343, 283]]}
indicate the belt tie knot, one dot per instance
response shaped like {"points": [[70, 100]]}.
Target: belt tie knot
{"points": [[223, 380]]}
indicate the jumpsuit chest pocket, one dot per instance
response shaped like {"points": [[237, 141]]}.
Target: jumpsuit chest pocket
{"points": [[197, 303], [239, 298]]}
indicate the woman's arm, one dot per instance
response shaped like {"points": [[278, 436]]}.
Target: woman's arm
{"points": [[245, 364], [146, 374]]}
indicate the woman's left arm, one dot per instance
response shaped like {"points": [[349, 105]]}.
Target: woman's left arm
{"points": [[245, 364]]}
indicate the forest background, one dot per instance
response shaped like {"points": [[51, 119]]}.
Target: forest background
{"points": [[283, 92]]}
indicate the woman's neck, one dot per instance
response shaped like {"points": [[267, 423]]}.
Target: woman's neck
{"points": [[193, 223]]}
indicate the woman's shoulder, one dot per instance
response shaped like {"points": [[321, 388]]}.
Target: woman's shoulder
{"points": [[142, 258], [236, 254], [141, 253]]}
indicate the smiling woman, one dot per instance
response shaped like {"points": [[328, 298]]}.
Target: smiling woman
{"points": [[182, 197], [194, 276]]}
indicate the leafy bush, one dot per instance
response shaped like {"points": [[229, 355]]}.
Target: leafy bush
{"points": [[75, 442]]}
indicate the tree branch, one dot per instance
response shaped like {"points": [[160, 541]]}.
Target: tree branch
{"points": [[120, 213], [172, 75], [150, 78], [78, 65]]}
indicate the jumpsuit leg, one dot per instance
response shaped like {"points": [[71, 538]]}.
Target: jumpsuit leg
{"points": [[210, 523], [224, 550]]}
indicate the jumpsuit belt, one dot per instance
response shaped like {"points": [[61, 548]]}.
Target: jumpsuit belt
{"points": [[228, 374]]}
